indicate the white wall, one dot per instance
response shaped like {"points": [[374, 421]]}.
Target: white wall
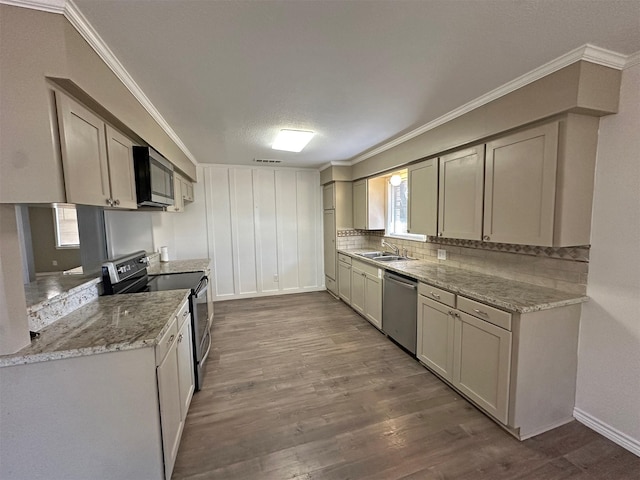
{"points": [[608, 387], [265, 230]]}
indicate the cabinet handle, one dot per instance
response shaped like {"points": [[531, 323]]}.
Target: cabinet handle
{"points": [[439, 234], [170, 339], [434, 295], [451, 313], [480, 312], [180, 338], [486, 237], [109, 202], [185, 313]]}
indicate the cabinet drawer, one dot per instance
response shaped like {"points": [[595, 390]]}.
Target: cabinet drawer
{"points": [[166, 341], [367, 268], [484, 312], [344, 258], [437, 294], [183, 314]]}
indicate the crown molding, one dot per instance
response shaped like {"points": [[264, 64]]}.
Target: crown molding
{"points": [[632, 60], [51, 6], [586, 52], [71, 12]]}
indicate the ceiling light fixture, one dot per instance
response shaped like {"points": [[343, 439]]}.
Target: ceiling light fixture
{"points": [[292, 140], [395, 180]]}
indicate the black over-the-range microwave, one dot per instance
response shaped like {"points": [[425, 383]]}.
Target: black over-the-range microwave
{"points": [[154, 178]]}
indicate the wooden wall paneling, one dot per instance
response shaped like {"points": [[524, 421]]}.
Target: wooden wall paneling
{"points": [[308, 203], [286, 198], [243, 231], [220, 237], [266, 230]]}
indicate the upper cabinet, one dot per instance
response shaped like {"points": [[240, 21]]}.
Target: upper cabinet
{"points": [[423, 198], [178, 200], [520, 186], [460, 194], [368, 204], [339, 196], [97, 160]]}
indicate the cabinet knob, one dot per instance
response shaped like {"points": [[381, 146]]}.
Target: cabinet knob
{"points": [[434, 295], [109, 202], [439, 234], [117, 202], [180, 338], [170, 339], [486, 237]]}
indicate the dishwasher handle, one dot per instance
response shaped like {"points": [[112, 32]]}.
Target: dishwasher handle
{"points": [[398, 282]]}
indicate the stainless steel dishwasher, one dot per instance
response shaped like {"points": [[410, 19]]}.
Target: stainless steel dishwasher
{"points": [[400, 309]]}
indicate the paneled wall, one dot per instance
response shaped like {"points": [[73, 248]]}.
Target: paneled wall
{"points": [[264, 230]]}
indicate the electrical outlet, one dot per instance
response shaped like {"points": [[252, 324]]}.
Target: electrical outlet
{"points": [[54, 263], [275, 277], [442, 254]]}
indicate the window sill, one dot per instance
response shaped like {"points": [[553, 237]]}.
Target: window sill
{"points": [[408, 236]]}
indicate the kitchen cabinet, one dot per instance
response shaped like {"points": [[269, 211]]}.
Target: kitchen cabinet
{"points": [[366, 291], [97, 160], [520, 368], [344, 278], [175, 383], [461, 193], [178, 201], [482, 361], [369, 204], [329, 225], [434, 346], [423, 198], [520, 185], [187, 190], [339, 197]]}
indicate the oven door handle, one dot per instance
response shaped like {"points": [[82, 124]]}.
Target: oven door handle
{"points": [[202, 285], [206, 354]]}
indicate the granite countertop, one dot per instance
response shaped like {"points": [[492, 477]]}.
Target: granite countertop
{"points": [[56, 287], [501, 292], [179, 266], [108, 324]]}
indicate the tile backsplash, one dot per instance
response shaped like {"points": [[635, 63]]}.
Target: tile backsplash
{"points": [[563, 269]]}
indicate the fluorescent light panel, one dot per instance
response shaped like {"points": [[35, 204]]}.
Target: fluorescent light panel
{"points": [[292, 140]]}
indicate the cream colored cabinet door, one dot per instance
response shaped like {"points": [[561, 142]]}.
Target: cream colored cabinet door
{"points": [[435, 336], [330, 243], [482, 364], [423, 198], [360, 205], [170, 412], [121, 174], [185, 368], [178, 201], [187, 190], [84, 154], [328, 196], [520, 186], [357, 290], [461, 194], [373, 300], [344, 282]]}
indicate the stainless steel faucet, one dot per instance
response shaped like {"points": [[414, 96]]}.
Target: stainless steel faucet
{"points": [[396, 250]]}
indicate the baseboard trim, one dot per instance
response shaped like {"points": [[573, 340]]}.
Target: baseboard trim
{"points": [[269, 294], [613, 434]]}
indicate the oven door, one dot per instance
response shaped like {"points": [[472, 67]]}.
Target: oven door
{"points": [[201, 335]]}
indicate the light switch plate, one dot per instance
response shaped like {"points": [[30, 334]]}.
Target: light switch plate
{"points": [[442, 254]]}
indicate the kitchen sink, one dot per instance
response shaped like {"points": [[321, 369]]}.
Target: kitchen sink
{"points": [[383, 256], [371, 254]]}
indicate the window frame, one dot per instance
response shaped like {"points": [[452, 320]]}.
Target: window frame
{"points": [[56, 227], [416, 237]]}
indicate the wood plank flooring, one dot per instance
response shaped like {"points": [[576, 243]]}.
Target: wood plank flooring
{"points": [[301, 387]]}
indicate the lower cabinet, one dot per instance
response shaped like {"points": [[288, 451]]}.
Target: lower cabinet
{"points": [[366, 291], [434, 346], [344, 278], [482, 360], [176, 385]]}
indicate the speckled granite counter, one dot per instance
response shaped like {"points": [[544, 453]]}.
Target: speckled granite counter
{"points": [[51, 297], [179, 266], [108, 324], [501, 292]]}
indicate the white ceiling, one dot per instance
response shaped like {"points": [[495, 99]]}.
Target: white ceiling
{"points": [[227, 75]]}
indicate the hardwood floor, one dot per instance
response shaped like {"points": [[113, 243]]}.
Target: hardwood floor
{"points": [[301, 387]]}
